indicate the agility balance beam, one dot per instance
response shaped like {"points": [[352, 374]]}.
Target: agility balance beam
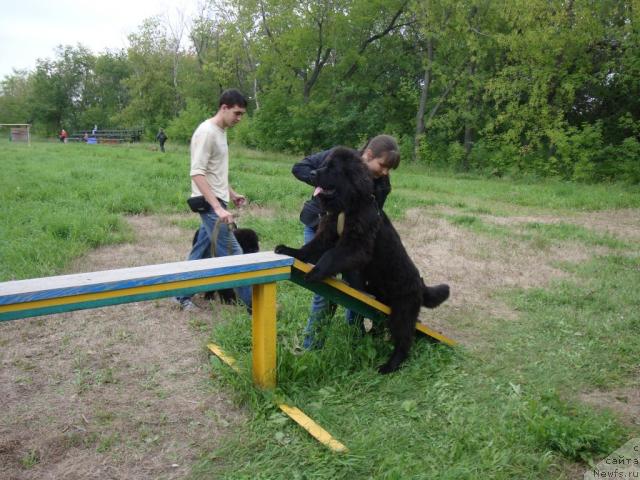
{"points": [[65, 293], [43, 296]]}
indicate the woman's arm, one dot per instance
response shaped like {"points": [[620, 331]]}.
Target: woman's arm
{"points": [[302, 170]]}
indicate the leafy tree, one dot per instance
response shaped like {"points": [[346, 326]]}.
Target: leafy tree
{"points": [[150, 86], [58, 88], [14, 98], [105, 95]]}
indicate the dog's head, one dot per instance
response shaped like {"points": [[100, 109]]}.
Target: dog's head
{"points": [[248, 240], [343, 180]]}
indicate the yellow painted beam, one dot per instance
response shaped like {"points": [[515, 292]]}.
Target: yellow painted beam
{"points": [[432, 333], [343, 287], [218, 352], [88, 297], [312, 427], [264, 335]]}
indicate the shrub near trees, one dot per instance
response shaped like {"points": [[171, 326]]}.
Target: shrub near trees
{"points": [[548, 88]]}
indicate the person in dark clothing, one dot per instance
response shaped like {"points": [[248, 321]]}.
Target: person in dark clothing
{"points": [[380, 154], [161, 137]]}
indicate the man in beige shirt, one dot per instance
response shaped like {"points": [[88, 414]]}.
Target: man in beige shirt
{"points": [[210, 178]]}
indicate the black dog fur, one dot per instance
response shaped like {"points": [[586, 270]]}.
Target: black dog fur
{"points": [[249, 242], [370, 245]]}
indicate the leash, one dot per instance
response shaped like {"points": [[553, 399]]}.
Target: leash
{"points": [[216, 232]]}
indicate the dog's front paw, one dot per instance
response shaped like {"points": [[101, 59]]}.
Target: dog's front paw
{"points": [[284, 250]]}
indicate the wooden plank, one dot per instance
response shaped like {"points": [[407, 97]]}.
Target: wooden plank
{"points": [[66, 285], [345, 288], [228, 359], [313, 428], [137, 294], [340, 293], [422, 328]]}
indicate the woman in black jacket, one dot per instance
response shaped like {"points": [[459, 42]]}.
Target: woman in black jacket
{"points": [[380, 154]]}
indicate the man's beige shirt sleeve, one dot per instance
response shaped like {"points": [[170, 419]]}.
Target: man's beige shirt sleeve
{"points": [[203, 147]]}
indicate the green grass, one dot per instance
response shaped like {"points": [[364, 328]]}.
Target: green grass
{"points": [[61, 200], [540, 234], [509, 409]]}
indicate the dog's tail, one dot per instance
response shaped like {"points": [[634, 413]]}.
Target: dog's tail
{"points": [[434, 296]]}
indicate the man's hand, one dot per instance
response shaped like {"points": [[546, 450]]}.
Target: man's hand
{"points": [[237, 199], [224, 215]]}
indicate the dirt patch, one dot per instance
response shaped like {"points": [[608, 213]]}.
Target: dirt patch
{"points": [[624, 401], [624, 223], [616, 223], [478, 266], [117, 392], [475, 267]]}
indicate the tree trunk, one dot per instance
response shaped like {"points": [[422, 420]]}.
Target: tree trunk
{"points": [[424, 96], [255, 92], [468, 128]]}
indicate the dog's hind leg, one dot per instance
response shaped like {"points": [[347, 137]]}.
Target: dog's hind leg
{"points": [[402, 323], [434, 296]]}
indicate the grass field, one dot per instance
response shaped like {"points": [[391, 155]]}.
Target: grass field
{"points": [[511, 402]]}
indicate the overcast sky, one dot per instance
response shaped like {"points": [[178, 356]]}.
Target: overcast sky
{"points": [[31, 29]]}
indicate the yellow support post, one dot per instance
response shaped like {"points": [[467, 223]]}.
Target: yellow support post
{"points": [[264, 335]]}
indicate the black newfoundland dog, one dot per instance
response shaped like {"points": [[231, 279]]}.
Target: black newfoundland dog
{"points": [[355, 235]]}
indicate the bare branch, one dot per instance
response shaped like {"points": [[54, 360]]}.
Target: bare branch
{"points": [[390, 27]]}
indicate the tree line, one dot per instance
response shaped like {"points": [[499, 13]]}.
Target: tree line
{"points": [[547, 88]]}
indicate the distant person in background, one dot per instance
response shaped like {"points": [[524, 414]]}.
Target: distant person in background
{"points": [[95, 129], [161, 137], [63, 136], [85, 137]]}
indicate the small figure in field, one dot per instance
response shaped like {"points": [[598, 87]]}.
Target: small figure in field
{"points": [[63, 136], [161, 137]]}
